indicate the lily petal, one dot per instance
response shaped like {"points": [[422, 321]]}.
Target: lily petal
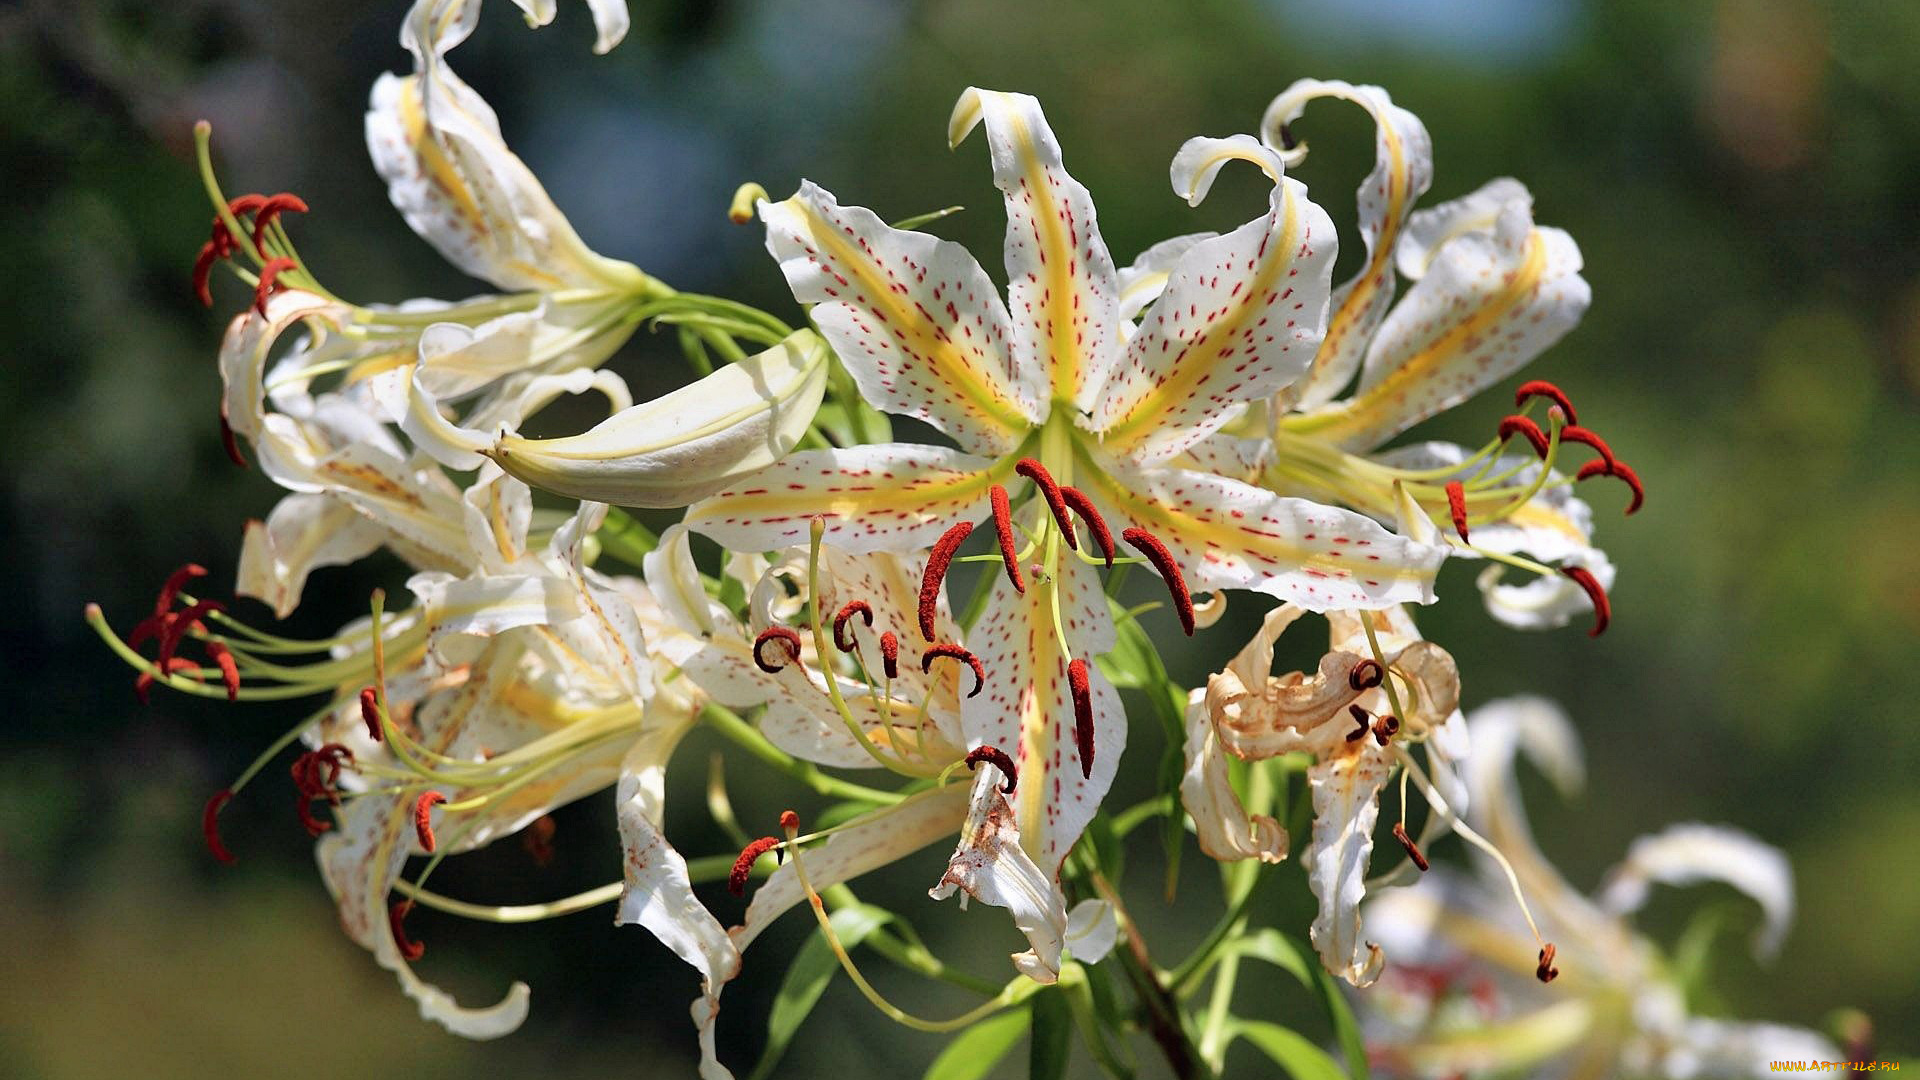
{"points": [[994, 868], [919, 325], [301, 534], [1544, 603], [1221, 824], [1346, 802], [1142, 282], [1241, 317], [1061, 284], [1092, 930], [610, 19], [1691, 853]]}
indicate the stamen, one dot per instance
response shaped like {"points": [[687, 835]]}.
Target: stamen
{"points": [[955, 652], [268, 272], [1457, 504], [1602, 609], [1542, 388], [303, 806], [1003, 524], [743, 866], [782, 633], [1082, 715], [890, 654], [409, 950], [938, 560], [210, 253], [143, 683], [370, 712], [179, 625], [1546, 972], [1413, 849], [1359, 717], [1574, 433], [423, 818], [853, 607], [210, 825], [1385, 728], [537, 839], [170, 589], [272, 207], [222, 658], [228, 441], [999, 760], [790, 821], [1050, 490], [1523, 426], [1366, 675], [1157, 554], [1619, 470], [1096, 524]]}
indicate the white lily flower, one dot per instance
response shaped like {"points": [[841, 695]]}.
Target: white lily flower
{"points": [[1468, 996]]}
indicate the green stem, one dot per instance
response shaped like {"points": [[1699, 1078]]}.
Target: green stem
{"points": [[730, 726]]}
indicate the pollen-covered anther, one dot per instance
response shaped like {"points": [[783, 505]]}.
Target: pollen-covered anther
{"points": [[1050, 490], [1366, 675], [270, 272], [1412, 849], [370, 712], [1602, 608], [784, 634], [955, 652], [1574, 433], [423, 818], [1362, 718], [743, 866], [1520, 425], [1003, 527], [210, 824], [272, 207], [789, 821], [1619, 470], [999, 759], [1546, 972], [396, 915], [938, 560], [841, 640], [537, 839], [1457, 506], [1149, 545], [1082, 693], [1096, 524], [1534, 388], [223, 659], [890, 654], [178, 626]]}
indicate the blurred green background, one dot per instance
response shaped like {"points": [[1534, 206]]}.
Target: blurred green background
{"points": [[1741, 178]]}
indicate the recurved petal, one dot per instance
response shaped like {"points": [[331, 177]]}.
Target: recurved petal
{"points": [[992, 867], [1544, 603], [1062, 288], [610, 19], [1227, 534], [1092, 930], [917, 322], [1690, 853], [1241, 317], [1142, 282], [301, 534], [881, 497], [1346, 802], [689, 443], [1222, 825]]}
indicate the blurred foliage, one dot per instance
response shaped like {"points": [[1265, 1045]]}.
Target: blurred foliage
{"points": [[1739, 175]]}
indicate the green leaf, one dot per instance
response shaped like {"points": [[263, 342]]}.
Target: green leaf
{"points": [[1052, 1043], [1289, 1049], [1297, 960], [807, 979], [974, 1052]]}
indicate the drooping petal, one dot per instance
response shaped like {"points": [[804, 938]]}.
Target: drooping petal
{"points": [[1490, 302], [993, 867], [1241, 317], [1346, 802], [1226, 534], [438, 146], [1402, 170], [1092, 930], [1691, 853], [919, 325], [610, 19], [1027, 708], [1503, 730], [686, 444], [884, 497], [1061, 286], [1222, 825], [301, 534]]}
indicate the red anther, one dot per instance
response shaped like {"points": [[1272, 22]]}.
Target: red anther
{"points": [[222, 658], [1457, 505], [210, 824], [1574, 433], [1542, 388], [177, 627], [272, 207], [1385, 728], [537, 839], [1359, 717], [1413, 849], [1149, 545], [146, 628], [1082, 715], [1096, 524], [334, 756], [370, 712], [1003, 525], [423, 818], [1602, 609], [1546, 972], [853, 607], [955, 652], [145, 680], [241, 205], [268, 273], [210, 253], [409, 950], [303, 805], [999, 759], [743, 866], [1049, 490], [228, 441], [783, 633], [938, 560], [789, 821], [890, 654], [1526, 427], [170, 589], [1366, 675], [1619, 470]]}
